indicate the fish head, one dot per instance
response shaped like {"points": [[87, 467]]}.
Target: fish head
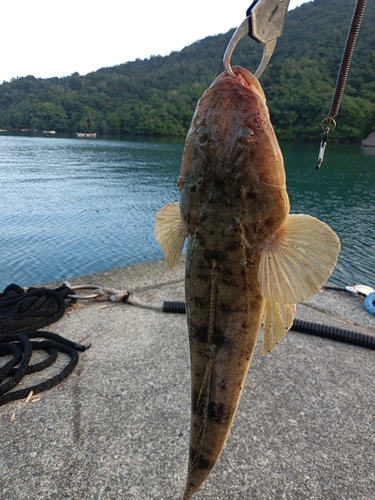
{"points": [[232, 161]]}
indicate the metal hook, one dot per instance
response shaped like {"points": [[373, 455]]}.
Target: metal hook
{"points": [[264, 24], [240, 32]]}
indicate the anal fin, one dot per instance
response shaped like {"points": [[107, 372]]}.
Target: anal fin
{"points": [[277, 321]]}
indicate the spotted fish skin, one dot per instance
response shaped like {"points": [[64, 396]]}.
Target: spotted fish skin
{"points": [[221, 351], [248, 260], [232, 198]]}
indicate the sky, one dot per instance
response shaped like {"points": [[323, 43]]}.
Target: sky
{"points": [[46, 39]]}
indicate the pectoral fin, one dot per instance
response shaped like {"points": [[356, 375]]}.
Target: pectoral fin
{"points": [[298, 260], [170, 232], [277, 321]]}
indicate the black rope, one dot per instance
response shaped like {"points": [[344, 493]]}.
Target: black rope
{"points": [[52, 348], [22, 312], [27, 351]]}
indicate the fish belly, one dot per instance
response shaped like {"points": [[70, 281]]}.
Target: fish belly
{"points": [[224, 311]]}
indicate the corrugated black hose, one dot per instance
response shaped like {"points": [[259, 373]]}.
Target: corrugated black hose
{"points": [[324, 331]]}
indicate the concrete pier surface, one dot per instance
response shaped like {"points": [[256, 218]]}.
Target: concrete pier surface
{"points": [[118, 427]]}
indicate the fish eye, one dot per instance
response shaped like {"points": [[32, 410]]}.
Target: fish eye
{"points": [[202, 132], [245, 135]]}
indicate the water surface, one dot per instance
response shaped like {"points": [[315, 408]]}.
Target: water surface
{"points": [[77, 206]]}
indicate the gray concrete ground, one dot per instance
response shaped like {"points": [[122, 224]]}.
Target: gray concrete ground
{"points": [[118, 427]]}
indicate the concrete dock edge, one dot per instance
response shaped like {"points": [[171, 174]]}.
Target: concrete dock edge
{"points": [[118, 427]]}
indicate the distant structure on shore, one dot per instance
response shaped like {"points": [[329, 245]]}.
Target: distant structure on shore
{"points": [[82, 134], [369, 141]]}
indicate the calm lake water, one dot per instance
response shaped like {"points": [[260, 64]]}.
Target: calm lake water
{"points": [[78, 206]]}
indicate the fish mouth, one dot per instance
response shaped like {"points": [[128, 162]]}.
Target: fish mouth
{"points": [[243, 79]]}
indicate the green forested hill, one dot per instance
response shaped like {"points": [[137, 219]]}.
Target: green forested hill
{"points": [[158, 95]]}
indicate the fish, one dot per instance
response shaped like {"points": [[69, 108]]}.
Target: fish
{"points": [[248, 260]]}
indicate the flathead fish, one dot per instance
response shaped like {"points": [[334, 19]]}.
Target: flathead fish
{"points": [[248, 260]]}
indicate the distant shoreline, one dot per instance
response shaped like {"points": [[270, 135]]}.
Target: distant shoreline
{"points": [[111, 136]]}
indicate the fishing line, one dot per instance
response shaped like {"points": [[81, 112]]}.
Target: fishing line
{"points": [[341, 77]]}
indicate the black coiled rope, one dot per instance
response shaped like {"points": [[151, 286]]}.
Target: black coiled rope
{"points": [[324, 331], [21, 314], [22, 311]]}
